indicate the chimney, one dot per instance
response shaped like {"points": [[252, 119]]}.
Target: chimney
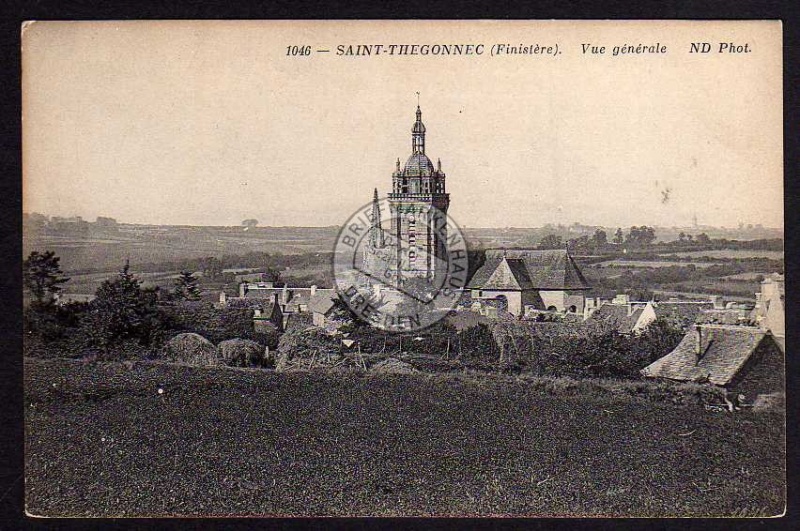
{"points": [[313, 289], [630, 309], [222, 298], [242, 289], [275, 299], [285, 294], [698, 342], [588, 309]]}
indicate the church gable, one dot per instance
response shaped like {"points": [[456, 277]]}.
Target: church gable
{"points": [[531, 269], [509, 275]]}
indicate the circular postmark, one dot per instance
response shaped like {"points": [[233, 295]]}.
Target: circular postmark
{"points": [[400, 265]]}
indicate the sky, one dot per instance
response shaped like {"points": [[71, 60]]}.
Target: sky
{"points": [[211, 123]]}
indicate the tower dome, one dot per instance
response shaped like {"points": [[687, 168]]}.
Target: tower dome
{"points": [[418, 164]]}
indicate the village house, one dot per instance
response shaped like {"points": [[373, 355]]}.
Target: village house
{"points": [[541, 279], [260, 295], [265, 311], [741, 359], [769, 312], [322, 307], [631, 317]]}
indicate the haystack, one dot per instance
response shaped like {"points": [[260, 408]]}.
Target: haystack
{"points": [[392, 366], [192, 349], [769, 402], [241, 353]]}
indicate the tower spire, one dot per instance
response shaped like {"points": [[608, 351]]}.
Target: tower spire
{"points": [[418, 133], [376, 233]]}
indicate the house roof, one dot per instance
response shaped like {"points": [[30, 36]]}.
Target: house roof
{"points": [[617, 315], [322, 302], [528, 269], [682, 314], [724, 351], [726, 317], [263, 293], [265, 305]]}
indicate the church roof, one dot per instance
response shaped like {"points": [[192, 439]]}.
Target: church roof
{"points": [[724, 350], [529, 269], [418, 164]]}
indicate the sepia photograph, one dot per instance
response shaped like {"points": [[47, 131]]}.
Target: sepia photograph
{"points": [[403, 269]]}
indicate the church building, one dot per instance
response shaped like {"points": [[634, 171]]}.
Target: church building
{"points": [[531, 279]]}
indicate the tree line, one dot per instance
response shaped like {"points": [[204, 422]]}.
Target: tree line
{"points": [[124, 316]]}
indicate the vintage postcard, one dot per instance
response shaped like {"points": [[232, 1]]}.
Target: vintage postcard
{"points": [[404, 268]]}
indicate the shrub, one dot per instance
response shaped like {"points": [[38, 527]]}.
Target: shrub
{"points": [[305, 344], [192, 349], [241, 353], [267, 335], [477, 343], [52, 322], [589, 350], [122, 311]]}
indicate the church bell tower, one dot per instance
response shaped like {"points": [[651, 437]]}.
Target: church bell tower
{"points": [[418, 206]]}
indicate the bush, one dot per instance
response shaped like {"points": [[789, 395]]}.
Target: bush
{"points": [[122, 311], [311, 343], [477, 343], [51, 322], [241, 353], [589, 350], [192, 349]]}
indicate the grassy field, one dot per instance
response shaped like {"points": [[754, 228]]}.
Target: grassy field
{"points": [[730, 254], [102, 441], [650, 264], [146, 244]]}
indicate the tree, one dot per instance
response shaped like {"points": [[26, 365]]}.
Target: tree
{"points": [[580, 244], [703, 239], [42, 276], [682, 237], [211, 267], [640, 294], [122, 310], [600, 238], [272, 274], [551, 241], [643, 235], [618, 237], [250, 223], [186, 287]]}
